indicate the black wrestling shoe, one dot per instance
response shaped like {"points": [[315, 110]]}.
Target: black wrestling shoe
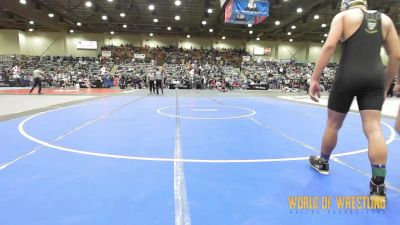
{"points": [[320, 165], [377, 191]]}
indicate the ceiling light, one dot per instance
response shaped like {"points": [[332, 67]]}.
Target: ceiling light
{"points": [[316, 17], [258, 39], [23, 2], [323, 25], [30, 29], [104, 17], [178, 2], [151, 34], [325, 35], [204, 22], [151, 7], [299, 10], [223, 37], [169, 28], [88, 4], [285, 0], [79, 24], [112, 32], [211, 30], [322, 41], [249, 25], [125, 26], [210, 10], [294, 27], [291, 40], [110, 0], [289, 33], [51, 15], [277, 22], [155, 20], [122, 14], [188, 36], [31, 22], [71, 31], [177, 17], [250, 32]]}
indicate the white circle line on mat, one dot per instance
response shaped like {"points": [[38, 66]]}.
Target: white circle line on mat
{"points": [[251, 112], [21, 129]]}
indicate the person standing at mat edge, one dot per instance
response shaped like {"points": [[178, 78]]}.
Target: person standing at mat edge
{"points": [[360, 74], [151, 82], [159, 80], [38, 75]]}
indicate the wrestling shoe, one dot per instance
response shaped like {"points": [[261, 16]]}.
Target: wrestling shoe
{"points": [[377, 191], [320, 165]]}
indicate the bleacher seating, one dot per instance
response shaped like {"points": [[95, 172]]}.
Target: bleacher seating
{"points": [[189, 67]]}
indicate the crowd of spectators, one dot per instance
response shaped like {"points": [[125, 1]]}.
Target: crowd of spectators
{"points": [[287, 76], [190, 75], [183, 68], [59, 72]]}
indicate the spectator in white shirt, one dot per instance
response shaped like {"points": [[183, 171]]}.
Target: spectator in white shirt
{"points": [[103, 70]]}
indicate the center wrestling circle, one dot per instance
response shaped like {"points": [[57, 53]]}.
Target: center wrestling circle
{"points": [[21, 129], [207, 111]]}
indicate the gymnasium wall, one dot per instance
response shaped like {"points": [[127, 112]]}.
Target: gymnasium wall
{"points": [[9, 42], [58, 43], [159, 40], [41, 43], [121, 39], [229, 43], [293, 50]]}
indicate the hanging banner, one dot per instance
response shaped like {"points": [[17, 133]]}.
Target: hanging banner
{"points": [[251, 7], [262, 51], [234, 15], [229, 11], [258, 51], [90, 45]]}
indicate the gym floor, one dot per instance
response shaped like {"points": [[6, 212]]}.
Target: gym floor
{"points": [[185, 157]]}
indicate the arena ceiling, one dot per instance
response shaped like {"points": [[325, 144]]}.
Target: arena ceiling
{"points": [[139, 19]]}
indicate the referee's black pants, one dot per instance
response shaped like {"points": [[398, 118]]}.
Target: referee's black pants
{"points": [[151, 84], [159, 85], [37, 82]]}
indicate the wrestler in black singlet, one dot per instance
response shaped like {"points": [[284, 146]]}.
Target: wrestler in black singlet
{"points": [[361, 72]]}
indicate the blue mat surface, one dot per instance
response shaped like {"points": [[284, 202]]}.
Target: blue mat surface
{"points": [[111, 161]]}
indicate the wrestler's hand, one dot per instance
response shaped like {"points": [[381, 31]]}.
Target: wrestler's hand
{"points": [[314, 91]]}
